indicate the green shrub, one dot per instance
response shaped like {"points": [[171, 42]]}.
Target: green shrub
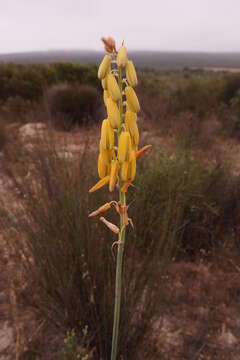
{"points": [[71, 104], [231, 87], [181, 205], [198, 94], [71, 259]]}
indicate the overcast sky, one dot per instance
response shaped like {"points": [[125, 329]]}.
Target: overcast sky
{"points": [[184, 25]]}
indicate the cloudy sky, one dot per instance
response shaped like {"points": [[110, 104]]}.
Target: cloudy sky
{"points": [[184, 25]]}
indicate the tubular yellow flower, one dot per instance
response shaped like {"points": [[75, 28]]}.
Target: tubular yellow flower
{"points": [[113, 113], [106, 155], [100, 184], [110, 225], [133, 169], [132, 99], [105, 97], [125, 171], [104, 66], [131, 126], [107, 135], [143, 150], [113, 174], [124, 146], [131, 74], [113, 88], [122, 56], [101, 209], [104, 83], [103, 168]]}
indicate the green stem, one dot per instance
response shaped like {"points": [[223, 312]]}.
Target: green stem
{"points": [[121, 242]]}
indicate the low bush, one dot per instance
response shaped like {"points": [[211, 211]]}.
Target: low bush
{"points": [[181, 205], [71, 259], [71, 105]]}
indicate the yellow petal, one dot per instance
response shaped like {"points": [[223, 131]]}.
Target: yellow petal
{"points": [[125, 171], [132, 100], [107, 135], [131, 74], [113, 174], [104, 66], [143, 150], [124, 146], [106, 154], [103, 168], [110, 225], [113, 88], [100, 184], [113, 113], [131, 126], [104, 83], [133, 169], [105, 97], [122, 56]]}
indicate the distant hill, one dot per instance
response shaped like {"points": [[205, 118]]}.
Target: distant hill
{"points": [[146, 59]]}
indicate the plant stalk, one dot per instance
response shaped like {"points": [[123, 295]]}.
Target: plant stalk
{"points": [[121, 242]]}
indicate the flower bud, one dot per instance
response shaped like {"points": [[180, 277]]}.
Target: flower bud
{"points": [[131, 126], [104, 66], [100, 183], [132, 100], [103, 168], [104, 83], [131, 74], [107, 135], [133, 169], [113, 113], [122, 56], [101, 209], [113, 88], [143, 150], [110, 225], [113, 174], [125, 171], [124, 146], [106, 155]]}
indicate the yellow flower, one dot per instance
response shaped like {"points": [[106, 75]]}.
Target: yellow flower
{"points": [[104, 181], [106, 155], [124, 146], [131, 74], [122, 56], [132, 100], [131, 126], [104, 66], [125, 171], [133, 169], [113, 88], [107, 135], [103, 168], [113, 174], [113, 113]]}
